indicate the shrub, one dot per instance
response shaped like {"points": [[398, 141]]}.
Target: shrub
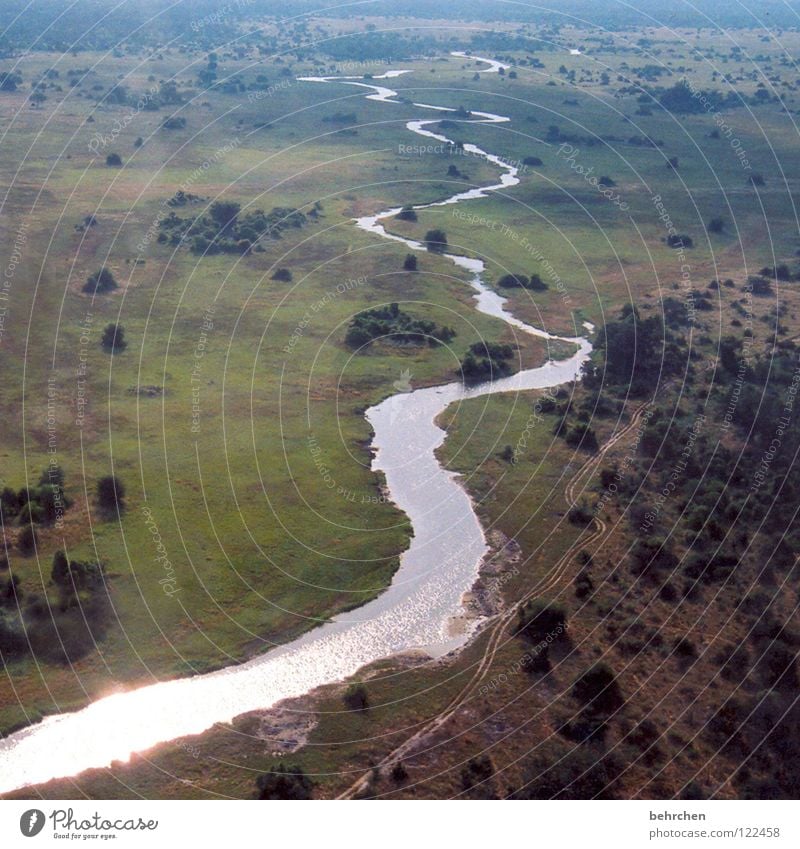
{"points": [[399, 773], [436, 241], [114, 338], [110, 493], [26, 541], [539, 619], [284, 782], [410, 263], [477, 770], [224, 213], [582, 436], [282, 274], [512, 281], [406, 214], [356, 698], [598, 689], [680, 240], [580, 514], [114, 160], [536, 284], [100, 282]]}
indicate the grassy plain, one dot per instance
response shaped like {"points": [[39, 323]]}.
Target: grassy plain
{"points": [[245, 509]]}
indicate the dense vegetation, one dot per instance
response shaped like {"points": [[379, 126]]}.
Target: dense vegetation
{"points": [[225, 229], [392, 325]]}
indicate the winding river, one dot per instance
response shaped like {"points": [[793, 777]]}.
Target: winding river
{"points": [[416, 612]]}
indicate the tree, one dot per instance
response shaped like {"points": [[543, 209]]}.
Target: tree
{"points": [[513, 281], [436, 241], [410, 263], [284, 782], [114, 338], [114, 160], [407, 213], [477, 771], [26, 541], [9, 503], [540, 619], [356, 698], [110, 493], [598, 689], [224, 212], [100, 282], [60, 571]]}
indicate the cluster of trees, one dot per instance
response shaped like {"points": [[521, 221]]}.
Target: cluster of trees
{"points": [[632, 352], [391, 324], [45, 503], [38, 505], [61, 625], [225, 230], [516, 281], [486, 361]]}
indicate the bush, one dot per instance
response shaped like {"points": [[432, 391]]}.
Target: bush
{"points": [[26, 541], [114, 338], [406, 214], [410, 263], [224, 213], [598, 690], [282, 274], [477, 770], [399, 773], [284, 782], [512, 281], [716, 225], [555, 772], [114, 160], [582, 436], [533, 161], [436, 241], [680, 240], [536, 284], [580, 514], [539, 619], [356, 698], [110, 493], [100, 282]]}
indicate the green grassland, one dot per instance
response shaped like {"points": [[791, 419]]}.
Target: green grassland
{"points": [[262, 543]]}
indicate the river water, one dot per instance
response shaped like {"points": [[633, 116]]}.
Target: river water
{"points": [[416, 612]]}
